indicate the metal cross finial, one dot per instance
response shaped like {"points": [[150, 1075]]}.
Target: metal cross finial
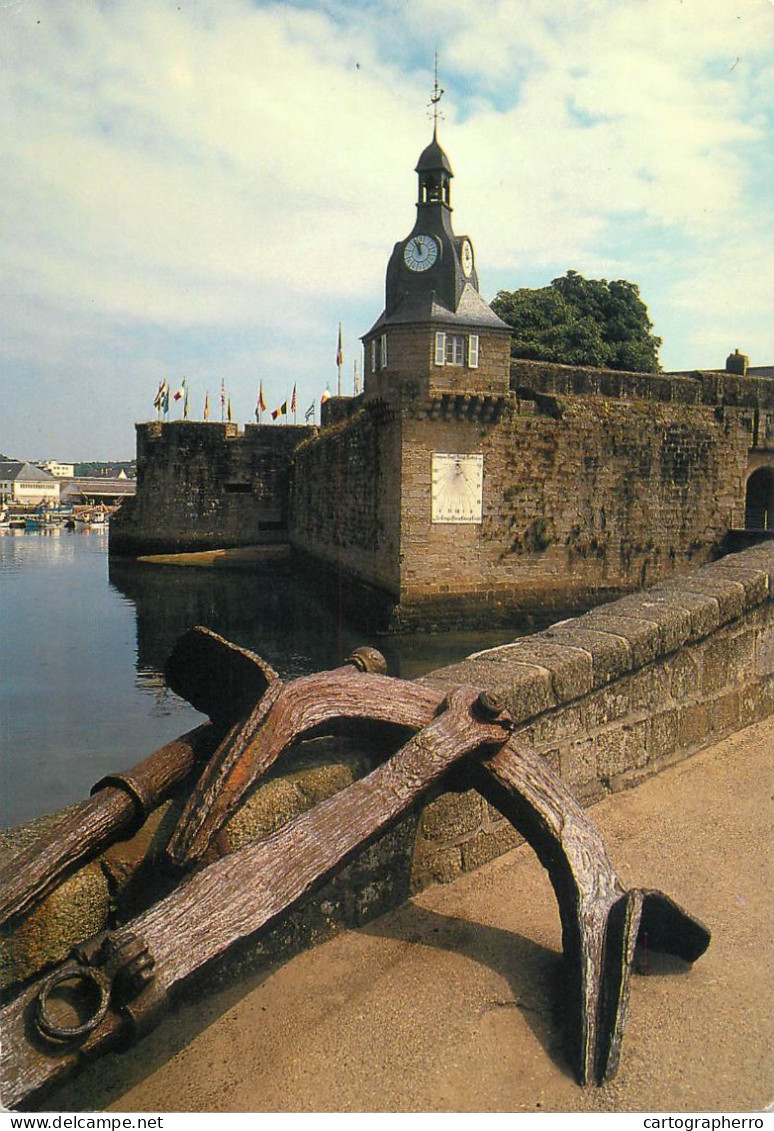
{"points": [[436, 97]]}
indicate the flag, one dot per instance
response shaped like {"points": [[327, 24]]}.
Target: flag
{"points": [[339, 350], [293, 401], [181, 393], [207, 407], [165, 404], [260, 404], [309, 414], [281, 411], [222, 398], [159, 398], [229, 409], [326, 395]]}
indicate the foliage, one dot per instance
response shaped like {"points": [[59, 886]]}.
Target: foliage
{"points": [[577, 321], [99, 469]]}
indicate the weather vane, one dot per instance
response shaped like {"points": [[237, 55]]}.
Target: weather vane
{"points": [[436, 96]]}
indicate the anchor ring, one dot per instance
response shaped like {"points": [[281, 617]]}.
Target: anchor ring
{"points": [[46, 1023]]}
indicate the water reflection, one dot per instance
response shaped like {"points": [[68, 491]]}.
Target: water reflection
{"points": [[278, 614], [259, 607], [83, 644]]}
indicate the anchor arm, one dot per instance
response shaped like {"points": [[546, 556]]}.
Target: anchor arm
{"points": [[601, 921], [127, 975]]}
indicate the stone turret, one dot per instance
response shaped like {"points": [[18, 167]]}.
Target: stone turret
{"points": [[738, 363]]}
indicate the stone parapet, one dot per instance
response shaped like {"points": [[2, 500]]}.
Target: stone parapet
{"points": [[699, 387], [607, 698]]}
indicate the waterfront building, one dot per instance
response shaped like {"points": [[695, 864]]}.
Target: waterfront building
{"points": [[57, 469], [24, 484]]}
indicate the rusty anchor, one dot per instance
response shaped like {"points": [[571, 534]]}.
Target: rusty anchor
{"points": [[239, 894], [601, 920], [228, 900]]}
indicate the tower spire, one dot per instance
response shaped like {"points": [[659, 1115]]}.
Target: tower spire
{"points": [[435, 97]]}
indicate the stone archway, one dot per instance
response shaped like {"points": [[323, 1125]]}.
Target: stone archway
{"points": [[759, 500]]}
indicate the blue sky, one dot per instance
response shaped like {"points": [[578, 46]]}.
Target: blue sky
{"points": [[207, 189]]}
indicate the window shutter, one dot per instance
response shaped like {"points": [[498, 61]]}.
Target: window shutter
{"points": [[440, 348], [473, 351], [383, 350]]}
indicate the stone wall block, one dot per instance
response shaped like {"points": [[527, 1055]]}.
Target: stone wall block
{"points": [[452, 817], [761, 557], [728, 594], [693, 725], [704, 611], [764, 647], [664, 730], [755, 582], [674, 622], [578, 763], [612, 752], [271, 806], [525, 689], [649, 687], [611, 655], [570, 666], [433, 864], [643, 636], [725, 711], [684, 674], [78, 908], [638, 742], [726, 660], [750, 704], [488, 845]]}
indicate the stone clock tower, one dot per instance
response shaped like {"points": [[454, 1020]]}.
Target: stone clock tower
{"points": [[401, 494], [436, 334]]}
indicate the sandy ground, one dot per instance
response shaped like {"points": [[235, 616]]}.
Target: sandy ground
{"points": [[449, 1004], [234, 557]]}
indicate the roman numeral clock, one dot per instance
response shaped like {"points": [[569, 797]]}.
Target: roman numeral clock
{"points": [[457, 488]]}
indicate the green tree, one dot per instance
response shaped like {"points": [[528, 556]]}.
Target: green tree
{"points": [[577, 321]]}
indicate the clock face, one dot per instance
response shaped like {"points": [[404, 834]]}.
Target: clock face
{"points": [[420, 253], [457, 493], [466, 257]]}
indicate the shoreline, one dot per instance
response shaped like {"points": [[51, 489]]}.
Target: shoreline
{"points": [[222, 558]]}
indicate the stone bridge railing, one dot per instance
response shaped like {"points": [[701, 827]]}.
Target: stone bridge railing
{"points": [[608, 698]]}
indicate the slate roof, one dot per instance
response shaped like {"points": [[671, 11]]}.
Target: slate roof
{"points": [[433, 159], [471, 312], [13, 469]]}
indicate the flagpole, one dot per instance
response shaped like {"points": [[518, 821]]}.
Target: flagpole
{"points": [[339, 359]]}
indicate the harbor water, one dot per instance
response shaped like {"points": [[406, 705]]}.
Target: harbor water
{"points": [[83, 642]]}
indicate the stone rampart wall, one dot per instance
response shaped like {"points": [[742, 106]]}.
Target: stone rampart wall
{"points": [[584, 497], [607, 698], [701, 387], [206, 485], [346, 492], [596, 483]]}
